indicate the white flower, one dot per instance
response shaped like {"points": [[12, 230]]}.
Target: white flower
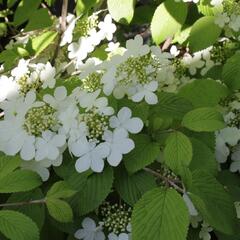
{"points": [[125, 121], [162, 56], [95, 37], [136, 48], [80, 50], [21, 69], [191, 208], [88, 67], [112, 47], [221, 19], [90, 231], [68, 33], [48, 146], [146, 92], [107, 28], [216, 2], [235, 165], [8, 88], [174, 51], [91, 100], [235, 22], [222, 151], [91, 155], [122, 236], [193, 62], [47, 76], [119, 144]]}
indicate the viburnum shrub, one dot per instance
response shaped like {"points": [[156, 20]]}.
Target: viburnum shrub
{"points": [[120, 120]]}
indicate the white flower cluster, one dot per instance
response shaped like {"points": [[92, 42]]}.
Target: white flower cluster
{"points": [[212, 2], [91, 231], [229, 18]]}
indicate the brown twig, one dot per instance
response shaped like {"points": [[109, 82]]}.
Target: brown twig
{"points": [[41, 201], [167, 44]]}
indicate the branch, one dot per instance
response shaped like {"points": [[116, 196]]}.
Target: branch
{"points": [[167, 44], [41, 201], [165, 179]]}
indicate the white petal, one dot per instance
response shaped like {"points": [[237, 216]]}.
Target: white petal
{"points": [[99, 235], [53, 153], [138, 97], [101, 150], [235, 166], [58, 140], [14, 145], [89, 224], [134, 125], [80, 234], [124, 114], [80, 147], [126, 146], [152, 86], [97, 164], [151, 98], [60, 93], [114, 122], [114, 158], [28, 150], [83, 163]]}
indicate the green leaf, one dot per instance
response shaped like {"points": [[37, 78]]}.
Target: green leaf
{"points": [[121, 10], [132, 187], [168, 18], [207, 9], [143, 14], [93, 192], [60, 190], [25, 10], [35, 211], [171, 105], [178, 151], [204, 33], [231, 72], [59, 210], [8, 164], [35, 24], [144, 153], [19, 181], [203, 158], [159, 215], [204, 92], [15, 225], [39, 43], [83, 6], [10, 3], [213, 202], [203, 120]]}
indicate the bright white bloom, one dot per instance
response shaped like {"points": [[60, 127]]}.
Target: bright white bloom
{"points": [[8, 88], [89, 67], [21, 69], [191, 208], [222, 19], [124, 120], [136, 48], [174, 51], [47, 76], [91, 155], [193, 62], [162, 56], [48, 146], [68, 33], [146, 92], [216, 2], [90, 231], [119, 144], [112, 47], [121, 236], [107, 28]]}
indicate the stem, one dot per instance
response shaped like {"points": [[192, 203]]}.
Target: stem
{"points": [[64, 15], [41, 201], [167, 44], [165, 179]]}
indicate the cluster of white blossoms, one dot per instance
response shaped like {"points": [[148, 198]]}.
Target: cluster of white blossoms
{"points": [[229, 18], [212, 2]]}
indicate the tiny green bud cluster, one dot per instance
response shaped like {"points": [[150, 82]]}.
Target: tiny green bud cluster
{"points": [[116, 217], [26, 84], [231, 7], [39, 119], [180, 69], [92, 82]]}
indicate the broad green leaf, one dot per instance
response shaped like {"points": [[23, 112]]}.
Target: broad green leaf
{"points": [[59, 210], [10, 3], [121, 10], [93, 192], [35, 211], [171, 105], [203, 158], [143, 14], [159, 215], [19, 181], [17, 226], [178, 151], [203, 120], [231, 72], [60, 189], [25, 10], [8, 164], [204, 33], [204, 92], [168, 18], [39, 43], [83, 6], [145, 152], [213, 202], [35, 24], [132, 187]]}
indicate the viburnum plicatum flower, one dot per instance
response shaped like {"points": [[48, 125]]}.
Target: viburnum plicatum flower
{"points": [[47, 75], [91, 155], [119, 143], [107, 27], [90, 231], [222, 19], [121, 236], [8, 88], [47, 146], [146, 92], [124, 120]]}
